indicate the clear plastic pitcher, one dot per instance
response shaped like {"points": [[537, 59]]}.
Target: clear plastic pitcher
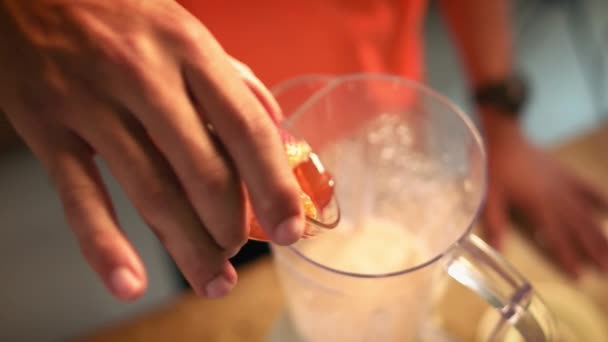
{"points": [[410, 180]]}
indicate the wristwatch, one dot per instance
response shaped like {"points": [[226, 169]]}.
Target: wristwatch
{"points": [[507, 96]]}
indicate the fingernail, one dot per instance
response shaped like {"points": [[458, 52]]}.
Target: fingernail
{"points": [[219, 287], [289, 231], [124, 283]]}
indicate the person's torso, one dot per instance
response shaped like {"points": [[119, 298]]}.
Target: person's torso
{"points": [[282, 39]]}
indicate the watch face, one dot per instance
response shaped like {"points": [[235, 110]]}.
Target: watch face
{"points": [[515, 90], [507, 96]]}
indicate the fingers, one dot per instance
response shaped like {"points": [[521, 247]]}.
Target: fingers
{"points": [[557, 239], [251, 139], [85, 202], [90, 215], [203, 168], [588, 191], [243, 127], [240, 122], [154, 190], [585, 231], [581, 205]]}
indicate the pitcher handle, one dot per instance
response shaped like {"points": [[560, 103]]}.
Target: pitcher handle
{"points": [[481, 269]]}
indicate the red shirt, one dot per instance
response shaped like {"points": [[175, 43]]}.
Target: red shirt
{"points": [[281, 39]]}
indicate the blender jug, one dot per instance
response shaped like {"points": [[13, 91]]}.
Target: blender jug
{"points": [[410, 181]]}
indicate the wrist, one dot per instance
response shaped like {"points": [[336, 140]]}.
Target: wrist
{"points": [[506, 96], [499, 127]]}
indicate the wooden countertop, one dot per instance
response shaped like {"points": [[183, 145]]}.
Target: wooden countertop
{"points": [[249, 313]]}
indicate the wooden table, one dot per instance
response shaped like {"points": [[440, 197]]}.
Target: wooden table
{"points": [[249, 313]]}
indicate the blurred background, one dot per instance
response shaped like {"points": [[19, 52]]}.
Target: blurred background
{"points": [[47, 292]]}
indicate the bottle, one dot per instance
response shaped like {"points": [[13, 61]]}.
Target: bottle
{"points": [[317, 190]]}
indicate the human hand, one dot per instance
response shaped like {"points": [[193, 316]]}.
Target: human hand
{"points": [[559, 206], [139, 83]]}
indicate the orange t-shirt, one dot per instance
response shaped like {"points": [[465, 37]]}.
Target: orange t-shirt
{"points": [[282, 39]]}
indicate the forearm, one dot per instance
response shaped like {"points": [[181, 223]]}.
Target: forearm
{"points": [[482, 32]]}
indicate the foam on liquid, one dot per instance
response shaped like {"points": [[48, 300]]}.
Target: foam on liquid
{"points": [[372, 246]]}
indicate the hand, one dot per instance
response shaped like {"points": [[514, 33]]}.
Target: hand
{"points": [[139, 83], [559, 206]]}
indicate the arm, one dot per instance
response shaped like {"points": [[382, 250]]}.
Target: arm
{"points": [[482, 31], [483, 35], [558, 205]]}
